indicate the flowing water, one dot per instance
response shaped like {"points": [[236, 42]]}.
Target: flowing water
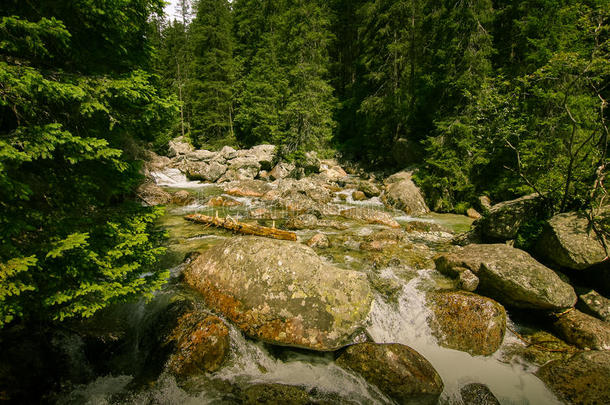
{"points": [[401, 318]]}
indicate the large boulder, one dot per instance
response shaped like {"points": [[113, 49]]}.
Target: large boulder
{"points": [[241, 168], [583, 331], [503, 220], [581, 379], [209, 172], [201, 343], [397, 370], [263, 154], [150, 194], [281, 292], [568, 241], [179, 146], [202, 155], [467, 322], [281, 171], [510, 276], [184, 339], [401, 193]]}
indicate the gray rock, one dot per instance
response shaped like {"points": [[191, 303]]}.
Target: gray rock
{"points": [[242, 168], [568, 241], [281, 171], [201, 155], [397, 370], [582, 379], [468, 281], [228, 153], [467, 322], [594, 304], [583, 331], [151, 194], [503, 220], [478, 394], [263, 154], [401, 193], [510, 276], [281, 292], [179, 146], [369, 189], [209, 172]]}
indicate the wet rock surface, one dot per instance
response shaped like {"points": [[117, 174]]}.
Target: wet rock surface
{"points": [[478, 394], [581, 379], [397, 370], [583, 331], [201, 344], [467, 322], [509, 275], [282, 293], [271, 394]]}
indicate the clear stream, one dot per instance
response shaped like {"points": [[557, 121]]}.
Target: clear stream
{"points": [[401, 318]]}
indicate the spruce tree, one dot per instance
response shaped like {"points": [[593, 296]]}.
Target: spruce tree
{"points": [[75, 98], [212, 74]]}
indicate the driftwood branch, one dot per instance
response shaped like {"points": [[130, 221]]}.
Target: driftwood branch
{"points": [[241, 227]]}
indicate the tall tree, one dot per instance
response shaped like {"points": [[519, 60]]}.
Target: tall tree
{"points": [[212, 73]]}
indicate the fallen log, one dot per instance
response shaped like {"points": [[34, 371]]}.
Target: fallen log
{"points": [[241, 227]]}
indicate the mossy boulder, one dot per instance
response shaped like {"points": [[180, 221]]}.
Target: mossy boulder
{"points": [[271, 394], [401, 193], [581, 379], [478, 394], [397, 370], [281, 292], [510, 276], [583, 330], [569, 241], [467, 322], [503, 220]]}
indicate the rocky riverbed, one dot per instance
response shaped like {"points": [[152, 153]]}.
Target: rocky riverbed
{"points": [[374, 302]]}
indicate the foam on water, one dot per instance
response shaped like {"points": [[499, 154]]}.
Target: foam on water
{"points": [[406, 323], [251, 363]]}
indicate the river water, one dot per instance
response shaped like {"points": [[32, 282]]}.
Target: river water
{"points": [[401, 318]]}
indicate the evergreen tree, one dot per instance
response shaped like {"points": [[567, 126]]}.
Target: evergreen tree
{"points": [[212, 74], [73, 102]]}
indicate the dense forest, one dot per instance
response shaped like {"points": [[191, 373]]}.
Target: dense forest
{"points": [[481, 97], [486, 97]]}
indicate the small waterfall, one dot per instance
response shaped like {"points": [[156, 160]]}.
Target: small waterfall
{"points": [[251, 363], [174, 178], [406, 323]]}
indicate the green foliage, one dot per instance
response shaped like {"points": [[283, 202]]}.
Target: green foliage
{"points": [[283, 95], [70, 240], [212, 72]]}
